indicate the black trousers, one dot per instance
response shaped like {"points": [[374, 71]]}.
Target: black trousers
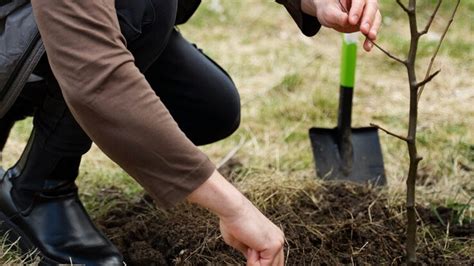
{"points": [[199, 94]]}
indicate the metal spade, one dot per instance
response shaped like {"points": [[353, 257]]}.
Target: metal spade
{"points": [[345, 153]]}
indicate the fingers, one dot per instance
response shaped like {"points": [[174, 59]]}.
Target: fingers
{"points": [[363, 15], [258, 238], [280, 260], [367, 14], [372, 36], [376, 26], [368, 45], [370, 11], [273, 256], [253, 258], [335, 17], [356, 12]]}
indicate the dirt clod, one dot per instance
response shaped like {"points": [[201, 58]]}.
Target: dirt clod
{"points": [[142, 253]]}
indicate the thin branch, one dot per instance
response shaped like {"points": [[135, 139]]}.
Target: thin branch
{"points": [[428, 71], [430, 21], [390, 133], [428, 79], [415, 37], [388, 53], [404, 7]]}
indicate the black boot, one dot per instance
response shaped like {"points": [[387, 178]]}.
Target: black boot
{"points": [[40, 207]]}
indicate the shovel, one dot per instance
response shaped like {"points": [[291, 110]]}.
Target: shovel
{"points": [[345, 153]]}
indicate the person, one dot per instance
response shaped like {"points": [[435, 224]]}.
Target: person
{"points": [[118, 73]]}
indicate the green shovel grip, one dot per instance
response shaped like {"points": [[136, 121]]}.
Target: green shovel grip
{"points": [[348, 61]]}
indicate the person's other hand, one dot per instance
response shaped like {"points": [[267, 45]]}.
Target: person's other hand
{"points": [[347, 16], [255, 236]]}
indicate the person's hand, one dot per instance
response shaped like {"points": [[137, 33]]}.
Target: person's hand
{"points": [[347, 16], [242, 225], [255, 236]]}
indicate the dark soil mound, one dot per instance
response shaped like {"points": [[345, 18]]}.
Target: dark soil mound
{"points": [[336, 224]]}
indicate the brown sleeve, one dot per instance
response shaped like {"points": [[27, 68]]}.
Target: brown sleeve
{"points": [[113, 102], [309, 25]]}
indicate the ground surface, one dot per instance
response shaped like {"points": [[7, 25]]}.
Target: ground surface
{"points": [[334, 223], [288, 84]]}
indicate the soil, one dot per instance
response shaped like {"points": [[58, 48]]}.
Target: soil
{"points": [[334, 224]]}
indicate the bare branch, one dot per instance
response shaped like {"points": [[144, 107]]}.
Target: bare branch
{"points": [[430, 21], [430, 66], [390, 133], [414, 41], [388, 53], [404, 7], [428, 79]]}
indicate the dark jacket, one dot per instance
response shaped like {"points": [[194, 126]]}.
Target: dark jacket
{"points": [[21, 46], [20, 49]]}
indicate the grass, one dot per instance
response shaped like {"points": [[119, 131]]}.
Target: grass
{"points": [[289, 83]]}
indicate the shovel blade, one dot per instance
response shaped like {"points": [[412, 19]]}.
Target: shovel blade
{"points": [[367, 167]]}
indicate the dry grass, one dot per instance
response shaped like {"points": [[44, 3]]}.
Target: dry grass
{"points": [[10, 254], [289, 83]]}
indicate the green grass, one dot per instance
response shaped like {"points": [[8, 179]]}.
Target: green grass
{"points": [[289, 83]]}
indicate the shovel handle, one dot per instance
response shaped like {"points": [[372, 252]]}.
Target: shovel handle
{"points": [[348, 68], [349, 60]]}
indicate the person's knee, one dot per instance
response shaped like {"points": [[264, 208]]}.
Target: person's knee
{"points": [[228, 113], [218, 120], [233, 114]]}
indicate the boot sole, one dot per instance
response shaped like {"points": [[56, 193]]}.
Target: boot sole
{"points": [[16, 235]]}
